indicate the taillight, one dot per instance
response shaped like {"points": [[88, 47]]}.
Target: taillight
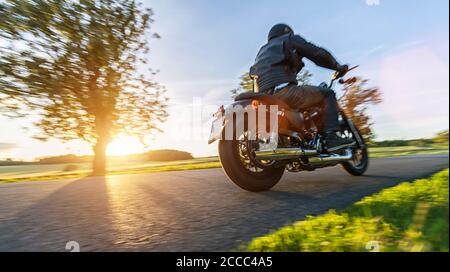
{"points": [[255, 105]]}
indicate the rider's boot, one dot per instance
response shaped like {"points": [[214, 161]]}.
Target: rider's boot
{"points": [[334, 142]]}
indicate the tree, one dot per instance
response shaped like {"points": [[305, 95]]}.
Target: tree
{"points": [[246, 82], [245, 85], [441, 137], [304, 77], [355, 101], [76, 63]]}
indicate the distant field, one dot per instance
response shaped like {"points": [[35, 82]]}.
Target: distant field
{"points": [[56, 171], [37, 170], [405, 151], [26, 170]]}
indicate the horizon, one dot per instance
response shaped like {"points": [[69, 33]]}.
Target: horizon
{"points": [[124, 156], [406, 58]]}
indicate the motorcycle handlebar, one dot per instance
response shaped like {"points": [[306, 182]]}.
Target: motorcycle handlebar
{"points": [[352, 68], [337, 75]]}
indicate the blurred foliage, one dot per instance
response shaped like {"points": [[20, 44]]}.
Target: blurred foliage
{"points": [[71, 168], [407, 217], [69, 158], [76, 63], [168, 155], [245, 85], [419, 208], [395, 143], [396, 151], [440, 139], [356, 99], [9, 162], [153, 155], [327, 233], [304, 77]]}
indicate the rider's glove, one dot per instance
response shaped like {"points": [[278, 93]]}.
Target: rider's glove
{"points": [[342, 70]]}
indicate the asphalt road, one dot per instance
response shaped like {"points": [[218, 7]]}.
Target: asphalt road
{"points": [[198, 210]]}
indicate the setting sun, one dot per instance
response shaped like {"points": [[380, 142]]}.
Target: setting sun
{"points": [[125, 145]]}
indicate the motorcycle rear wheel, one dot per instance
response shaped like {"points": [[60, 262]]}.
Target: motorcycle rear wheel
{"points": [[253, 178]]}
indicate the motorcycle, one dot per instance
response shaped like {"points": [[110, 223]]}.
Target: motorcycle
{"points": [[255, 158]]}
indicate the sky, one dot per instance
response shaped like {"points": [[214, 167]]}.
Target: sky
{"points": [[401, 46]]}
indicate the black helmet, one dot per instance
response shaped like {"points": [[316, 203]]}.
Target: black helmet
{"points": [[279, 30]]}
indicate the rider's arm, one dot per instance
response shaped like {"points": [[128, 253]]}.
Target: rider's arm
{"points": [[314, 53]]}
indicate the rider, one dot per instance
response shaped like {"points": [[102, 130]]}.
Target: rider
{"points": [[276, 67]]}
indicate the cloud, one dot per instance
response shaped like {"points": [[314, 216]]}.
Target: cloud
{"points": [[374, 50], [409, 44]]}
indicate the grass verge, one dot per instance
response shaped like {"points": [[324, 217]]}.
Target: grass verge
{"points": [[408, 217]]}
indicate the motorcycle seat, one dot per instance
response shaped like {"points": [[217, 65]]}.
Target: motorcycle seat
{"points": [[266, 98]]}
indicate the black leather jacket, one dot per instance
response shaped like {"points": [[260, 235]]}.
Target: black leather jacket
{"points": [[279, 60]]}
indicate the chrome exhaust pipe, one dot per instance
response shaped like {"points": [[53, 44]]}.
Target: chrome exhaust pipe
{"points": [[294, 153], [332, 158], [284, 153]]}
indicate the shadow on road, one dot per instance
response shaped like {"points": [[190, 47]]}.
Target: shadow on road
{"points": [[72, 213]]}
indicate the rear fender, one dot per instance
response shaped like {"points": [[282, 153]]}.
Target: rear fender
{"points": [[241, 116]]}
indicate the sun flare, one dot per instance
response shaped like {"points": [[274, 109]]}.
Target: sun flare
{"points": [[125, 145]]}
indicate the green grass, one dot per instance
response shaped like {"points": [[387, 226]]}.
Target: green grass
{"points": [[56, 171], [408, 217]]}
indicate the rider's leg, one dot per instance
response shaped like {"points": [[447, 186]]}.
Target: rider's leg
{"points": [[305, 96], [300, 97], [330, 108]]}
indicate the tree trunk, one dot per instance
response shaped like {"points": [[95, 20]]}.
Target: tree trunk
{"points": [[99, 163]]}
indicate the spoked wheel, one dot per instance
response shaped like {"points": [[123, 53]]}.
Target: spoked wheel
{"points": [[239, 163], [246, 150], [360, 161]]}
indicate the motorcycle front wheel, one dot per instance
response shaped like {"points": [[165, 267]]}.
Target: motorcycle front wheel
{"points": [[360, 162], [245, 171]]}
